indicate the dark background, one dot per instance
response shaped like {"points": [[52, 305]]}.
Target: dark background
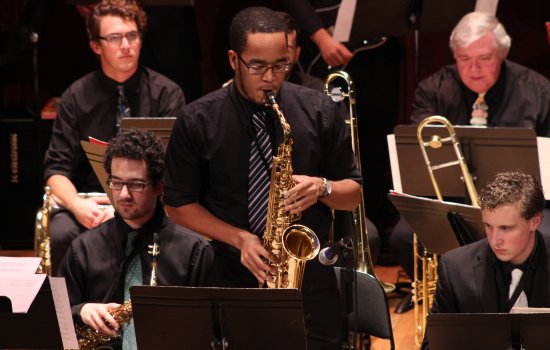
{"points": [[385, 84]]}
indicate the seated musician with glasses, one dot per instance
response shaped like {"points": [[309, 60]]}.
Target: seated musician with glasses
{"points": [[218, 169], [482, 88], [102, 263], [93, 107], [508, 268]]}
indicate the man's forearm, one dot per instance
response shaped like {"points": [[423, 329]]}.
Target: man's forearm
{"points": [[346, 195], [63, 190]]}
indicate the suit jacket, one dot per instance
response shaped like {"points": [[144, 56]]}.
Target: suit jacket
{"points": [[467, 280]]}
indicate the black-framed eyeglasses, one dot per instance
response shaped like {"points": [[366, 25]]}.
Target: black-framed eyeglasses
{"points": [[261, 69], [116, 38], [133, 186]]}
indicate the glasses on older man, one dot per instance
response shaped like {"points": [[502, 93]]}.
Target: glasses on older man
{"points": [[116, 38], [261, 69], [133, 186]]}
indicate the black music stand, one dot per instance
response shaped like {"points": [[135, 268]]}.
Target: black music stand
{"points": [[488, 331], [47, 325], [487, 151], [424, 214], [218, 318], [161, 127]]}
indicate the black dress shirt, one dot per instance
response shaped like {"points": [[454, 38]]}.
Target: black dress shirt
{"points": [[94, 264], [519, 98], [88, 108]]}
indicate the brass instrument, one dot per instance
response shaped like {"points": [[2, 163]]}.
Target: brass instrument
{"points": [[364, 259], [42, 234], [423, 291], [293, 245], [89, 338]]}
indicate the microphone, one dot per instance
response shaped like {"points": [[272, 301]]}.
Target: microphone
{"points": [[329, 255]]}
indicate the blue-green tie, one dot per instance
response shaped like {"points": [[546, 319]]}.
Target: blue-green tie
{"points": [[133, 277]]}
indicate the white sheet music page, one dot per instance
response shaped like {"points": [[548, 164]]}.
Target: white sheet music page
{"points": [[63, 310], [344, 21], [19, 282], [394, 163], [543, 148]]}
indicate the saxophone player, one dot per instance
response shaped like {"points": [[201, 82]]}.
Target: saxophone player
{"points": [[102, 263], [218, 168]]}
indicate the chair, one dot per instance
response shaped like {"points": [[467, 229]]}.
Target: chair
{"points": [[373, 316]]}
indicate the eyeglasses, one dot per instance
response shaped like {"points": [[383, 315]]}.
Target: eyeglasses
{"points": [[261, 69], [133, 186], [115, 39]]}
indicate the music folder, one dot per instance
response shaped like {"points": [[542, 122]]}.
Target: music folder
{"points": [[161, 127], [218, 318], [523, 331], [487, 151], [440, 226], [47, 324], [95, 153]]}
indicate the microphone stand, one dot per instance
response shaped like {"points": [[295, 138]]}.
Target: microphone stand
{"points": [[348, 292]]}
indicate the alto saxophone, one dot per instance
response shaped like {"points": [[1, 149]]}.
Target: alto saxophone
{"points": [[292, 245], [89, 338]]}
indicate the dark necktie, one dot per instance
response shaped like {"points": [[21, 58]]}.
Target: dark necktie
{"points": [[123, 109], [479, 111], [133, 277], [258, 175]]}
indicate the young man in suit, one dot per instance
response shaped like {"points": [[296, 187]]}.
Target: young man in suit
{"points": [[481, 277]]}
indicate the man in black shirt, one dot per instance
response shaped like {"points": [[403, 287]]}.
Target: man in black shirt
{"points": [[207, 173], [93, 107], [482, 88], [481, 277], [96, 263]]}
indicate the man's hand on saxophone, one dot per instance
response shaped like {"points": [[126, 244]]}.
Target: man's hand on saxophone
{"points": [[98, 316], [254, 257]]}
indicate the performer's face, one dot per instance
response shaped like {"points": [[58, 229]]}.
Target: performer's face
{"points": [[135, 207], [293, 51], [510, 236], [479, 63], [118, 61], [261, 49]]}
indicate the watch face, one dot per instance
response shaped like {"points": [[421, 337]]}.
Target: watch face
{"points": [[328, 188]]}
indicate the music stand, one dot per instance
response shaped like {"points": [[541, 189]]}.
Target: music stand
{"points": [[218, 318], [47, 325], [423, 214], [488, 331], [161, 127], [487, 151]]}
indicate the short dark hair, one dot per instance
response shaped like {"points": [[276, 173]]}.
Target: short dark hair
{"points": [[129, 10], [511, 187], [253, 20], [137, 144]]}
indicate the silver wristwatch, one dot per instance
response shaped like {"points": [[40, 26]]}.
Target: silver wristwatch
{"points": [[327, 188]]}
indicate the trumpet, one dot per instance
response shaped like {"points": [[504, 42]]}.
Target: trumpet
{"points": [[424, 290], [337, 94]]}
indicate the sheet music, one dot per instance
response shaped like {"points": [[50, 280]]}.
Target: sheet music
{"points": [[21, 289], [22, 265], [63, 310], [529, 310], [394, 163], [344, 20], [543, 147]]}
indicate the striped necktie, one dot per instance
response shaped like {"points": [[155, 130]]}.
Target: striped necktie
{"points": [[258, 175], [133, 277], [123, 109]]}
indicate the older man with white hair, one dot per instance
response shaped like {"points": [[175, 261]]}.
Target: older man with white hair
{"points": [[482, 87]]}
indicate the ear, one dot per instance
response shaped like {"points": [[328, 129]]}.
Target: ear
{"points": [[298, 51], [233, 59], [96, 48], [535, 221], [159, 188]]}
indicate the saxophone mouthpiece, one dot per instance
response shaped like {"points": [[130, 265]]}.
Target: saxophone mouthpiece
{"points": [[270, 97]]}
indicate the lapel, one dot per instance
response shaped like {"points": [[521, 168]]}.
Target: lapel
{"points": [[540, 291], [485, 281]]}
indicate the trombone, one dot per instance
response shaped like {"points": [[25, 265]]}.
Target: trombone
{"points": [[364, 259], [424, 290]]}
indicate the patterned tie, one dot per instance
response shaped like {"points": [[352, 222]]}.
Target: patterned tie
{"points": [[516, 277], [258, 176], [479, 111], [122, 110], [133, 277]]}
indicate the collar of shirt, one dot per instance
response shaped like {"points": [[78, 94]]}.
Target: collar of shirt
{"points": [[493, 97], [156, 223]]}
